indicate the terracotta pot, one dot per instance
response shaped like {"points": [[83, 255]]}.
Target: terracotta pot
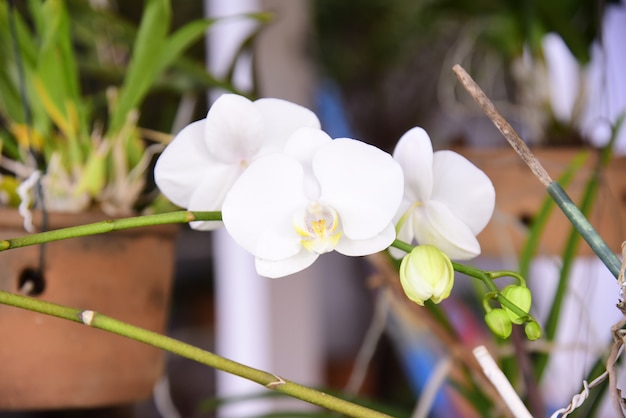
{"points": [[47, 362]]}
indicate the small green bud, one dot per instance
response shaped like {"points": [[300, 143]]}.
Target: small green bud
{"points": [[532, 330], [426, 273], [521, 297], [499, 322]]}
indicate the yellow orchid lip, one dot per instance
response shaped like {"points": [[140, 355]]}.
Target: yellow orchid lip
{"points": [[318, 225]]}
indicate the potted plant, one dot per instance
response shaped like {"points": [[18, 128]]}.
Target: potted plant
{"points": [[73, 156]]}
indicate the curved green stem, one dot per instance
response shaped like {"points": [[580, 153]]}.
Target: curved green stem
{"points": [[109, 226], [270, 381], [485, 276], [508, 273], [401, 245]]}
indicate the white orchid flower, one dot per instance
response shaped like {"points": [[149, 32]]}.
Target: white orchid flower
{"points": [[199, 166], [447, 199], [317, 196]]}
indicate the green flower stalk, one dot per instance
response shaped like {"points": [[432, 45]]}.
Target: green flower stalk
{"points": [[268, 380]]}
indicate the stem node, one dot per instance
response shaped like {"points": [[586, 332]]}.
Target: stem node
{"points": [[278, 382]]}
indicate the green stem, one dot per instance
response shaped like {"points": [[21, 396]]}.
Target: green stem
{"points": [[485, 276], [541, 219], [270, 381], [584, 228], [109, 226]]}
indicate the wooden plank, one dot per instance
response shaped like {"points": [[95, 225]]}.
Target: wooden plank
{"points": [[519, 196]]}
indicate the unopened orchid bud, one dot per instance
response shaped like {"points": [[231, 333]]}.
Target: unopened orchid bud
{"points": [[426, 273], [521, 297], [499, 322], [532, 330]]}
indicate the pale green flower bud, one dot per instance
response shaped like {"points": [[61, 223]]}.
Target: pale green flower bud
{"points": [[426, 273], [499, 322], [521, 297], [532, 330]]}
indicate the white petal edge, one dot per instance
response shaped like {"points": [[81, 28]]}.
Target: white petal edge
{"points": [[282, 118], [285, 267], [464, 188], [414, 153], [435, 224], [355, 248], [183, 163], [362, 183], [258, 209]]}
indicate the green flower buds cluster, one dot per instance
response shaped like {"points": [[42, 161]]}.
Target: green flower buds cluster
{"points": [[426, 273], [501, 320]]}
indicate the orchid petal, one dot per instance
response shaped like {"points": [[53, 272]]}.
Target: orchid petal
{"points": [[285, 267], [351, 247], [234, 130], [183, 162], [282, 119], [210, 193], [464, 189], [435, 224], [362, 183], [302, 145], [304, 142], [414, 153], [259, 208]]}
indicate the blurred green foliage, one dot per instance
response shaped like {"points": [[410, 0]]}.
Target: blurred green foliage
{"points": [[73, 84]]}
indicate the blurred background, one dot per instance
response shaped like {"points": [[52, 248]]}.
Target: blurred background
{"points": [[371, 70]]}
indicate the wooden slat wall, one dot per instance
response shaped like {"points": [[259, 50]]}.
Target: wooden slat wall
{"points": [[519, 196]]}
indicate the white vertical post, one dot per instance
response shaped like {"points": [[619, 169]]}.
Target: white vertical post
{"points": [[241, 301], [273, 325]]}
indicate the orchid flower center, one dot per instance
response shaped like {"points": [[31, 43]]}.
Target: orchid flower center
{"points": [[318, 225]]}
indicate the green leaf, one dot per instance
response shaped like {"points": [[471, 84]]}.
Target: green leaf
{"points": [[56, 61], [36, 9], [145, 61], [8, 191], [10, 98], [180, 40], [58, 75]]}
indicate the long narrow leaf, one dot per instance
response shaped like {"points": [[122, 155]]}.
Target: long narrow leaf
{"points": [[145, 60], [180, 40], [57, 51], [57, 75]]}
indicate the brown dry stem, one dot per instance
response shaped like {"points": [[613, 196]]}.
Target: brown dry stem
{"points": [[503, 126]]}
